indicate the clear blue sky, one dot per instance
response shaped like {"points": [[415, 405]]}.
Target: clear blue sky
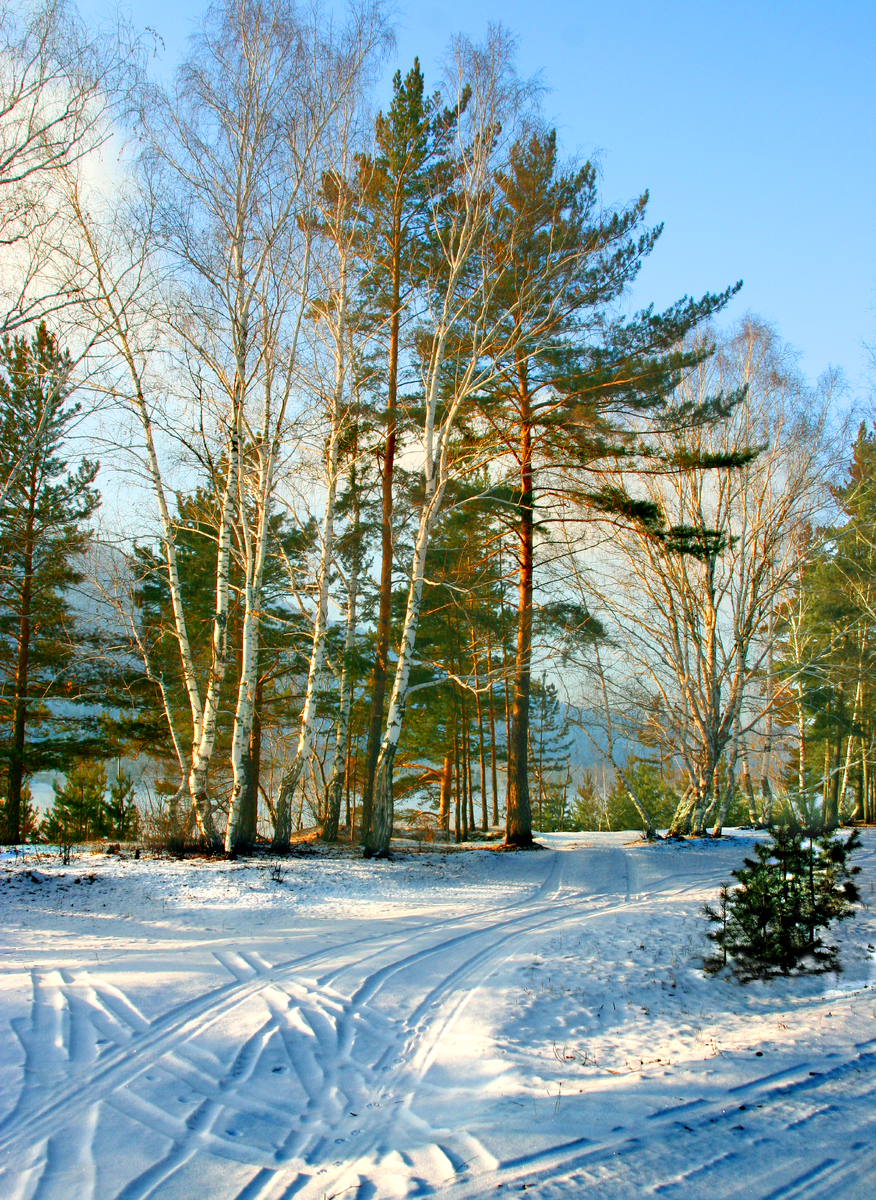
{"points": [[752, 124]]}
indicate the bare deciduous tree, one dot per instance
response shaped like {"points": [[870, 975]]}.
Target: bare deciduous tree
{"points": [[695, 613], [61, 83]]}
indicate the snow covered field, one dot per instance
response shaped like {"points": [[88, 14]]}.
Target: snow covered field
{"points": [[460, 1025]]}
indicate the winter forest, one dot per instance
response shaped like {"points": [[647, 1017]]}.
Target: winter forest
{"points": [[391, 508], [356, 504]]}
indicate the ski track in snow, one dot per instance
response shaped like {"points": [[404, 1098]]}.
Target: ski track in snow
{"points": [[408, 1029]]}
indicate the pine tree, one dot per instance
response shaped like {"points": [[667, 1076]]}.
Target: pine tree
{"points": [[573, 374], [549, 757], [78, 813], [399, 185], [828, 654], [121, 816], [792, 888], [44, 510]]}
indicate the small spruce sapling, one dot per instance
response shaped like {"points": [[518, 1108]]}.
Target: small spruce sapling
{"points": [[786, 894], [122, 818]]}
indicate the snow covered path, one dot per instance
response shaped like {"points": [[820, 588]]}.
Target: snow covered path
{"points": [[459, 1025]]}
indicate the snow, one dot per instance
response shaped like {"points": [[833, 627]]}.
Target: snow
{"points": [[454, 1024]]}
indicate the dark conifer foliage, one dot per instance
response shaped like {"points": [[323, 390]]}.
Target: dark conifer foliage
{"points": [[787, 893], [45, 677], [574, 377], [400, 184], [831, 661]]}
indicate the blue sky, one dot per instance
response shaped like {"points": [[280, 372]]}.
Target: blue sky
{"points": [[752, 124]]}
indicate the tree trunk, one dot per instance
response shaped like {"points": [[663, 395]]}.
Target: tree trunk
{"points": [[238, 833], [868, 808], [518, 814], [463, 769], [446, 788], [730, 790], [380, 673], [376, 837], [681, 818], [748, 787], [342, 732], [250, 806], [291, 779], [19, 716], [202, 751], [481, 750], [860, 813], [457, 774], [507, 690], [468, 756], [492, 711], [832, 812], [765, 786]]}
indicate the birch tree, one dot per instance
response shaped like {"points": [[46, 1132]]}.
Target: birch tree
{"points": [[455, 341], [335, 223], [234, 151], [61, 83], [695, 599], [218, 259]]}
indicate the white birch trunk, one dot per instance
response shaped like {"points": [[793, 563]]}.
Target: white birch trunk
{"points": [[110, 312], [730, 789], [377, 842], [203, 747], [292, 777], [254, 558], [765, 786]]}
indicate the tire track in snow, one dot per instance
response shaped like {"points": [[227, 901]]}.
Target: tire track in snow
{"points": [[338, 1028], [150, 1040], [140, 1045], [318, 1073], [421, 1032], [645, 1155]]}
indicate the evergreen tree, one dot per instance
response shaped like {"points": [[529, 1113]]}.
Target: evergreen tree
{"points": [[615, 809], [79, 812], [789, 891], [549, 758], [121, 816], [44, 510], [589, 809], [828, 655], [400, 184], [573, 374]]}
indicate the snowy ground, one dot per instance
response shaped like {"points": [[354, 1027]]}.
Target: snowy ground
{"points": [[459, 1025]]}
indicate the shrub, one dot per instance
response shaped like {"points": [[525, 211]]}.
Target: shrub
{"points": [[795, 887]]}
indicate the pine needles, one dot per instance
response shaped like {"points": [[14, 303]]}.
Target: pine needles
{"points": [[770, 922]]}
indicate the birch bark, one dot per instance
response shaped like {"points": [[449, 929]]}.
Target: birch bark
{"points": [[292, 777], [461, 292]]}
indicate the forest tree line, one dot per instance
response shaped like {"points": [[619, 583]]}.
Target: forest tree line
{"points": [[391, 502]]}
